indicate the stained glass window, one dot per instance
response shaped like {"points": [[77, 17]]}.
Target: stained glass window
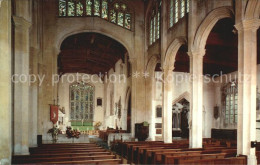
{"points": [[81, 101], [104, 9], [89, 7], [177, 10], [187, 6], [171, 13], [120, 19], [230, 103], [128, 21], [158, 26], [115, 12], [62, 8], [71, 8], [96, 8], [155, 22], [79, 9], [182, 8], [113, 16]]}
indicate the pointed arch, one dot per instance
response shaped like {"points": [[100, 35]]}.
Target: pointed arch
{"points": [[171, 52], [151, 64], [208, 24], [185, 95]]}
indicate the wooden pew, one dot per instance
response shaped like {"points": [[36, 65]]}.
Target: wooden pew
{"points": [[68, 154], [178, 159], [242, 160], [106, 161], [66, 158]]}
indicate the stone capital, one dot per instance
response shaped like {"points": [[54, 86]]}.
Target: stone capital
{"points": [[197, 53], [167, 68], [250, 24], [21, 22]]}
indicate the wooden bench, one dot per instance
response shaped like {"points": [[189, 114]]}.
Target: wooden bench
{"points": [[106, 161], [179, 159], [67, 154], [234, 160]]}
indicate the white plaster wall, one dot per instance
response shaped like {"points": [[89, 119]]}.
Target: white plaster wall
{"points": [[120, 87], [182, 89]]}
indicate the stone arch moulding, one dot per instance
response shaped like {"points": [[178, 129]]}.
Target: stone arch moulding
{"points": [[151, 64], [252, 9], [171, 52], [207, 25], [125, 41], [185, 95]]}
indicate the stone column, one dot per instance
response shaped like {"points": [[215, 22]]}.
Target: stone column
{"points": [[5, 83], [167, 105], [134, 77], [196, 116], [150, 86], [247, 73], [21, 86]]}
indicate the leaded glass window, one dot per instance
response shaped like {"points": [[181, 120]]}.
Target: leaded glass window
{"points": [[71, 8], [96, 8], [155, 22], [79, 9], [230, 97], [116, 12], [121, 15], [177, 10], [182, 8], [104, 9], [81, 102], [89, 7], [171, 13], [63, 8], [120, 19]]}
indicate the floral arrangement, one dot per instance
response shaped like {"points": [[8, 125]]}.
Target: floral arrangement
{"points": [[54, 133], [72, 133], [97, 125]]}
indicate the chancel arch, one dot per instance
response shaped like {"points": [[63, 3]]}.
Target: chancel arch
{"points": [[116, 35]]}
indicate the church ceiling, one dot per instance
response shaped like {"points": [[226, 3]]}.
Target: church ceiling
{"points": [[90, 53]]}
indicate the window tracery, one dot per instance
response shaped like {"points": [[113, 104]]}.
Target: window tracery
{"points": [[81, 102], [155, 22], [177, 10], [116, 12], [230, 98]]}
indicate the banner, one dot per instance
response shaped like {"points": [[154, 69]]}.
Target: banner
{"points": [[54, 113]]}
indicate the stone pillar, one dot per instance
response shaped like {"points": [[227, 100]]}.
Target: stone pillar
{"points": [[33, 99], [196, 116], [150, 86], [167, 105], [247, 73], [5, 83], [21, 86], [134, 77]]}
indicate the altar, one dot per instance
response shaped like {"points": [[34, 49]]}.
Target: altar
{"points": [[62, 138]]}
